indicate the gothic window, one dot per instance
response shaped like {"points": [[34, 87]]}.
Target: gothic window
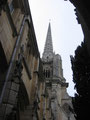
{"points": [[46, 73], [51, 72]]}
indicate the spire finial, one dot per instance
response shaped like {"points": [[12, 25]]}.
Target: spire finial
{"points": [[49, 20]]}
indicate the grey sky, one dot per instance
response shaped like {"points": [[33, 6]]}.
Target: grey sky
{"points": [[66, 32]]}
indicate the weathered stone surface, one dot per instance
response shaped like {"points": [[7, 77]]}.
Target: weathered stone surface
{"points": [[55, 85]]}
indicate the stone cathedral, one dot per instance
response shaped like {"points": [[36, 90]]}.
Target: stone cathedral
{"points": [[58, 103], [31, 88]]}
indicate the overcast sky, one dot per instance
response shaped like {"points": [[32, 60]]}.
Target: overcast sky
{"points": [[66, 32]]}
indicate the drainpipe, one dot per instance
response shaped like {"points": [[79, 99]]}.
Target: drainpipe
{"points": [[13, 58]]}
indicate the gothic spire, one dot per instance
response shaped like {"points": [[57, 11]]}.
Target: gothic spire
{"points": [[48, 49]]}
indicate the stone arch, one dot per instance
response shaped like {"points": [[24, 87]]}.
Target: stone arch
{"points": [[20, 105], [3, 60], [3, 67], [23, 97]]}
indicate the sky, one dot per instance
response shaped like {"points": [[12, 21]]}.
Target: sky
{"points": [[66, 32]]}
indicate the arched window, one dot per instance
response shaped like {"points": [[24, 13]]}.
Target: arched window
{"points": [[46, 73]]}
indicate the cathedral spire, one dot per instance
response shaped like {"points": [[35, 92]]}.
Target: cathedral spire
{"points": [[48, 49]]}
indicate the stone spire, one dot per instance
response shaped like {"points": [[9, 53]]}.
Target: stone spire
{"points": [[48, 49]]}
